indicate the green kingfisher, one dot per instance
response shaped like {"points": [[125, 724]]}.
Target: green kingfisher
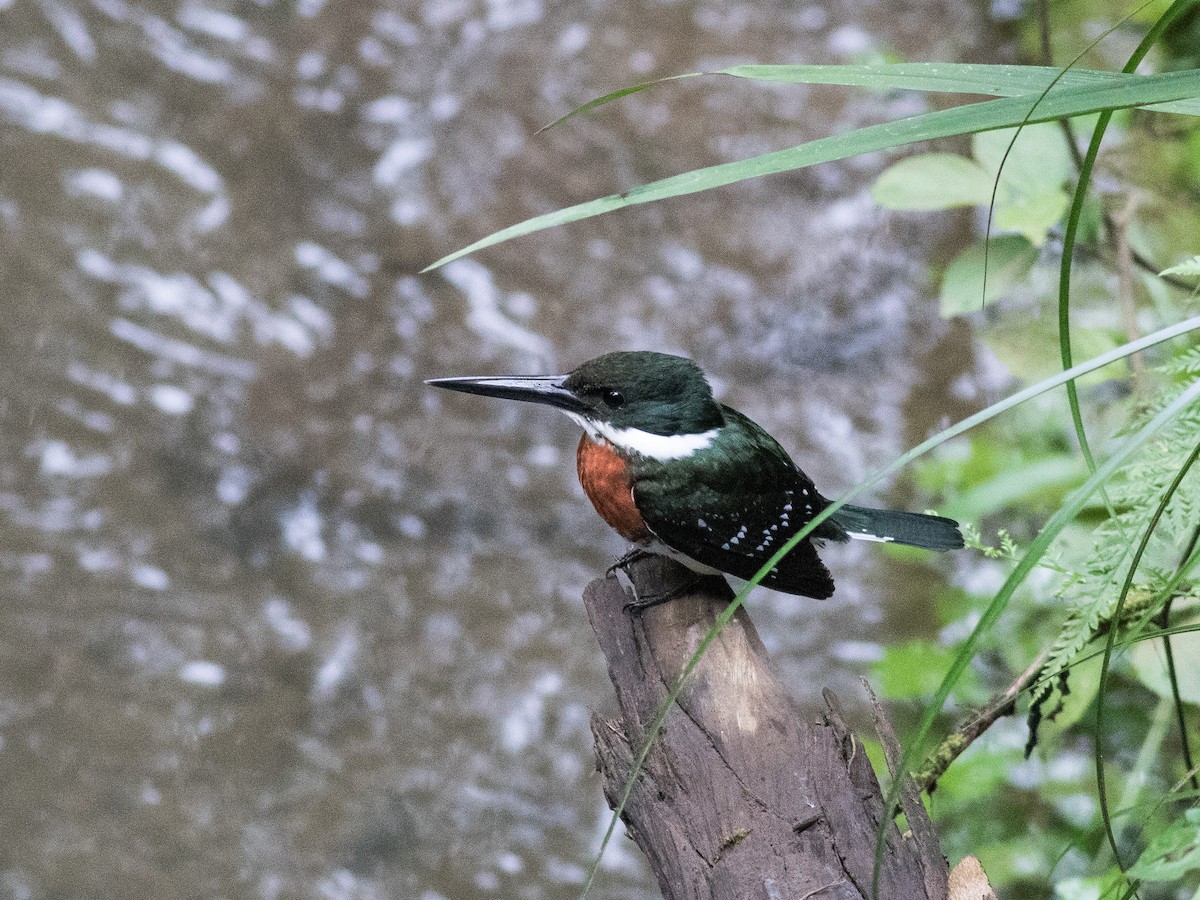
{"points": [[681, 475]]}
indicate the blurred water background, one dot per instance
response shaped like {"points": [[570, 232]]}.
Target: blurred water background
{"points": [[275, 619]]}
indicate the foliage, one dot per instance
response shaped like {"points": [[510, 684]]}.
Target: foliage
{"points": [[1027, 194], [1006, 547], [1148, 701], [1042, 101], [1074, 577], [1173, 853], [1188, 268], [1091, 593], [1005, 260]]}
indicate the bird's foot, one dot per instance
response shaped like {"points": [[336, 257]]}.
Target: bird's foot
{"points": [[640, 604], [633, 554]]}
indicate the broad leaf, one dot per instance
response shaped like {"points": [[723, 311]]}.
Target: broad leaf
{"points": [[1009, 259], [1173, 853], [1028, 348], [1039, 159], [1030, 215], [933, 181]]}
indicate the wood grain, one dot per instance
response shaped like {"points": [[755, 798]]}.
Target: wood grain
{"points": [[740, 797]]}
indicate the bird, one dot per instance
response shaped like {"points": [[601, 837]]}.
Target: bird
{"points": [[680, 475]]}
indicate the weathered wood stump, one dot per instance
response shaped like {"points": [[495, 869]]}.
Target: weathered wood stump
{"points": [[740, 798]]}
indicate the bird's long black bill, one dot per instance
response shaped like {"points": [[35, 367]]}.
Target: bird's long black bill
{"points": [[545, 389]]}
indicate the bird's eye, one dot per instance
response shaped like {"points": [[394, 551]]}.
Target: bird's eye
{"points": [[614, 399]]}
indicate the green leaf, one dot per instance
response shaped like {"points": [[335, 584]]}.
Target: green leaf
{"points": [[1031, 215], [953, 78], [1041, 482], [1030, 348], [1039, 160], [616, 95], [1029, 198], [1104, 887], [985, 116], [913, 670], [1009, 259], [932, 181], [1151, 666], [1173, 853], [1189, 268], [979, 773]]}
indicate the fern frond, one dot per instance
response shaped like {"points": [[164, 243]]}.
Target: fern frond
{"points": [[1091, 591]]}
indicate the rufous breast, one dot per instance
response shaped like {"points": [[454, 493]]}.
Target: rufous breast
{"points": [[604, 474]]}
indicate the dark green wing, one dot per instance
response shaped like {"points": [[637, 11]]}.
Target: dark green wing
{"points": [[739, 542], [734, 505]]}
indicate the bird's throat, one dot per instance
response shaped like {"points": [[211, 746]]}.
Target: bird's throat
{"points": [[660, 447]]}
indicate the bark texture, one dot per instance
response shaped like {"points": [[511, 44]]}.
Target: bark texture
{"points": [[739, 797]]}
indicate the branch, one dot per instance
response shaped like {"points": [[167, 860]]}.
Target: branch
{"points": [[741, 797]]}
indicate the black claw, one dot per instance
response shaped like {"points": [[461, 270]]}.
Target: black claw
{"points": [[639, 604], [633, 554]]}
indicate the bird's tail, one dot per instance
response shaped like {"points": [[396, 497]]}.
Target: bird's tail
{"points": [[887, 525]]}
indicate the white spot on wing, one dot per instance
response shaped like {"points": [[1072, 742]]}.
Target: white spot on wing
{"points": [[863, 536]]}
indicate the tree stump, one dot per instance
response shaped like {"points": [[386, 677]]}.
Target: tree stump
{"points": [[739, 797]]}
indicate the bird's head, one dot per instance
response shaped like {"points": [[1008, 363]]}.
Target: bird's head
{"points": [[649, 392]]}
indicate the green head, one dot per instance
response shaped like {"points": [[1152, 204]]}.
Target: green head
{"points": [[640, 389]]}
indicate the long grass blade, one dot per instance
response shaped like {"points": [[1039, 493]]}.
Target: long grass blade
{"points": [[624, 92], [1072, 228], [939, 78], [985, 116], [948, 78], [1184, 740]]}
